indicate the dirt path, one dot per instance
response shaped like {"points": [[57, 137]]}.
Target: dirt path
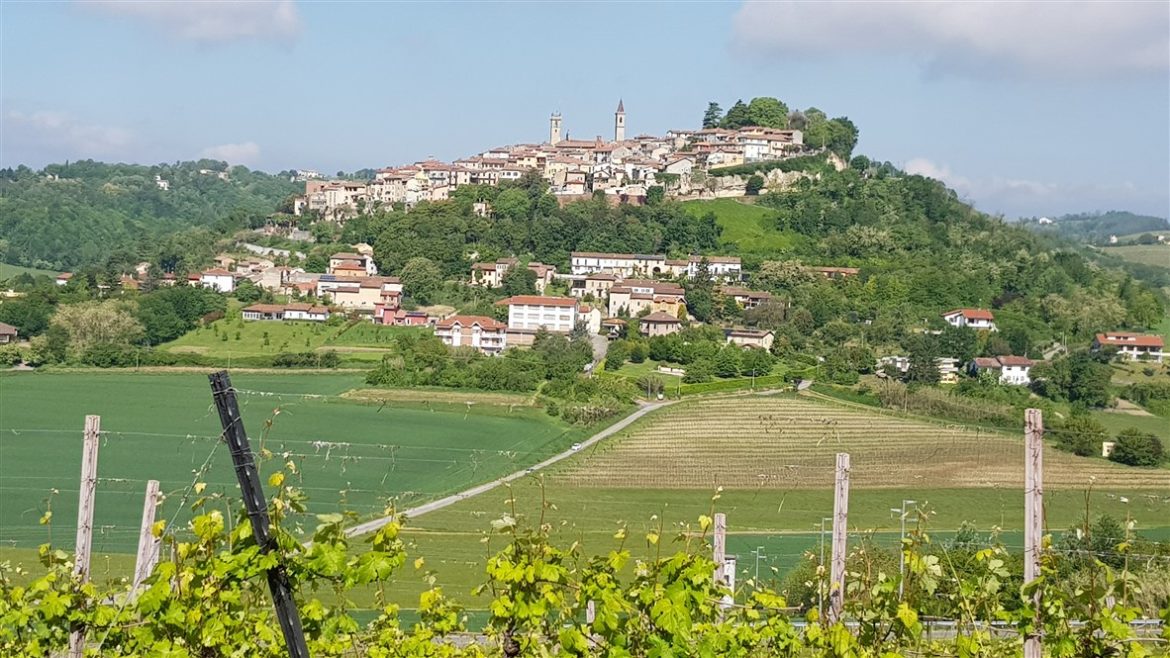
{"points": [[414, 512]]}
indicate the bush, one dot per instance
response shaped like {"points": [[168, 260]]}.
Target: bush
{"points": [[701, 370], [9, 356], [1137, 448], [1081, 435]]}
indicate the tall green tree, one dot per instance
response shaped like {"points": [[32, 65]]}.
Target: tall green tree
{"points": [[421, 279], [767, 112], [713, 115]]}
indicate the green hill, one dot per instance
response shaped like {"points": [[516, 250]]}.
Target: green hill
{"points": [[1097, 227]]}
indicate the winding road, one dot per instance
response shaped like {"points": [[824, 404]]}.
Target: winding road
{"points": [[415, 512]]}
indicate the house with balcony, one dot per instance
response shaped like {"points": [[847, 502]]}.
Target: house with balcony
{"points": [[482, 333]]}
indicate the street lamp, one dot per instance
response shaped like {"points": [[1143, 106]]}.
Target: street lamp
{"points": [[901, 512]]}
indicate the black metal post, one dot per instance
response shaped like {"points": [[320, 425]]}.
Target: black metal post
{"points": [[257, 507]]}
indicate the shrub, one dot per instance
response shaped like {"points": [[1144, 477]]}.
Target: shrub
{"points": [[1081, 435], [1137, 448], [9, 356], [700, 370]]}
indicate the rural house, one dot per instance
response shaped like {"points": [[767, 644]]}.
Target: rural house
{"points": [[64, 278], [484, 334], [8, 334], [282, 312], [660, 324], [744, 297], [975, 318], [219, 280], [1131, 345], [751, 338], [352, 264], [1013, 370]]}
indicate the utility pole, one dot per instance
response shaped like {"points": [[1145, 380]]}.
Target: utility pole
{"points": [[257, 508], [901, 512], [719, 545], [1033, 513], [89, 457], [840, 528], [147, 543], [759, 553]]}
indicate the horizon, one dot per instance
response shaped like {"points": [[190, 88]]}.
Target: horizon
{"points": [[1003, 122]]}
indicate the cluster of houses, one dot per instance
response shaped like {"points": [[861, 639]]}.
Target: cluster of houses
{"points": [[624, 168]]}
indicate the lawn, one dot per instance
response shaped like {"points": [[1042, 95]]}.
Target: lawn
{"points": [[163, 427], [747, 227], [1116, 422], [1150, 254], [233, 336], [8, 271], [368, 334]]}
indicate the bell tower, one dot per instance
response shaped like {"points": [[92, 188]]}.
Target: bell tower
{"points": [[619, 123], [554, 128]]}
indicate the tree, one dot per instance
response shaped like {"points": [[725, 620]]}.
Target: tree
{"points": [[96, 325], [616, 355], [727, 361], [737, 116], [1081, 434], [655, 195], [421, 279], [767, 112], [756, 362], [519, 280], [1137, 448], [700, 370], [512, 204], [754, 184], [248, 292], [768, 315], [1074, 378], [923, 361], [713, 116]]}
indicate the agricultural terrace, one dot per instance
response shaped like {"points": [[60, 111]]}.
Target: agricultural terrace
{"points": [[1146, 254], [349, 453], [773, 456]]}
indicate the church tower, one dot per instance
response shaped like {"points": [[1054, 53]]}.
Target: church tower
{"points": [[554, 128], [619, 123]]}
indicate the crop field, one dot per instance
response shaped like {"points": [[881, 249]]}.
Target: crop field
{"points": [[1148, 254], [232, 337], [349, 454], [748, 227], [773, 456]]}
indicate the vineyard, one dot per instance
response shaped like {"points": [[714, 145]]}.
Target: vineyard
{"points": [[782, 442]]}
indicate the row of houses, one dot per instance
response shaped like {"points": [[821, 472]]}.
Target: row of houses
{"points": [[583, 263]]}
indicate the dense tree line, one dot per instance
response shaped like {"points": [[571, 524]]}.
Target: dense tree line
{"points": [[78, 213]]}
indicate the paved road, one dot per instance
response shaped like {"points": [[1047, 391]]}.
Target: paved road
{"points": [[414, 512]]}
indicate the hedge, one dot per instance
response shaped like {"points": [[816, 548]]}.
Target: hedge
{"points": [[801, 163]]}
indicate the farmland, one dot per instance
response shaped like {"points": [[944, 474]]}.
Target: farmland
{"points": [[8, 271], [1150, 254], [349, 454]]}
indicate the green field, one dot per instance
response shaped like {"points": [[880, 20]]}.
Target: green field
{"points": [[8, 271], [352, 455], [751, 229], [359, 343], [1158, 254]]}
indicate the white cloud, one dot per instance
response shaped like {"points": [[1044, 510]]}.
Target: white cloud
{"points": [[1024, 197], [1052, 39], [242, 153], [211, 20], [59, 134]]}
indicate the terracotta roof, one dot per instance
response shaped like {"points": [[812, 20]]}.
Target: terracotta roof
{"points": [[215, 271], [601, 276], [537, 300], [661, 317], [1016, 361], [986, 362], [353, 267], [65, 275], [1128, 338], [7, 329], [971, 313], [468, 320], [717, 259], [748, 333], [264, 308], [344, 255]]}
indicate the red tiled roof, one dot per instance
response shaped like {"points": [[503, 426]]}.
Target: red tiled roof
{"points": [[264, 308], [468, 320], [350, 267], [7, 329], [537, 300], [65, 275], [1129, 338], [661, 317], [971, 313], [215, 271], [1016, 361]]}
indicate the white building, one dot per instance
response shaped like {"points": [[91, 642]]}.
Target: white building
{"points": [[1131, 345], [219, 280], [975, 318], [484, 334], [1012, 370], [532, 312]]}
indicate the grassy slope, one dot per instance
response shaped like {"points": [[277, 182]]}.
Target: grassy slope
{"points": [[1145, 254], [8, 271], [362, 341], [749, 228], [162, 427]]}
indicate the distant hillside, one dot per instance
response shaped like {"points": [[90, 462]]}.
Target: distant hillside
{"points": [[1096, 227], [75, 214]]}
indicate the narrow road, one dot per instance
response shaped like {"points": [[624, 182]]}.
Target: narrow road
{"points": [[415, 512]]}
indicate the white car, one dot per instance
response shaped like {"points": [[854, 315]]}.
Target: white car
{"points": [[576, 447]]}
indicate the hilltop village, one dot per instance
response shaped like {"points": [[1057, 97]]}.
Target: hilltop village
{"points": [[623, 168]]}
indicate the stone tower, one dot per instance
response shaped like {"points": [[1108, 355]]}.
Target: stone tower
{"points": [[619, 123], [554, 128]]}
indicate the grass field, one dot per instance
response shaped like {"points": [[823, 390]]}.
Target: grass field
{"points": [[750, 228], [163, 427], [8, 271], [1152, 254], [360, 344]]}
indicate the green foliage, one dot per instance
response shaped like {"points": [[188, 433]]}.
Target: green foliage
{"points": [[700, 370], [616, 356], [168, 313], [713, 116], [1076, 378], [421, 279], [754, 184], [519, 280], [1134, 447], [76, 214], [1081, 435], [807, 163]]}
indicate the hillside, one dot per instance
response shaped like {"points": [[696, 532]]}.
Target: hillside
{"points": [[1097, 227], [77, 214]]}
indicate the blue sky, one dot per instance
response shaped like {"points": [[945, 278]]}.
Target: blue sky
{"points": [[1023, 108]]}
